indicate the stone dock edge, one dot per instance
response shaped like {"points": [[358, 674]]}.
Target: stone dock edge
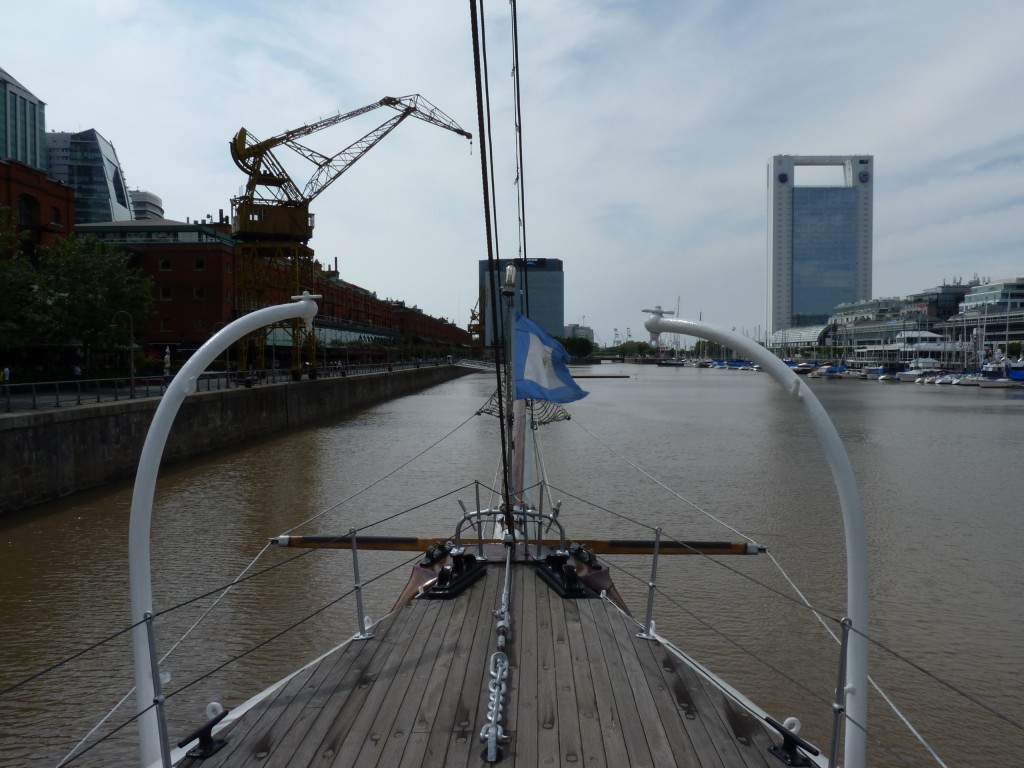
{"points": [[46, 455]]}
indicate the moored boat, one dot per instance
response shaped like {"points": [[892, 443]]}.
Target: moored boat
{"points": [[920, 368]]}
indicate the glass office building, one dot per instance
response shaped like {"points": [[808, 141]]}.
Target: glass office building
{"points": [[88, 163], [22, 124], [824, 252], [819, 240], [543, 279]]}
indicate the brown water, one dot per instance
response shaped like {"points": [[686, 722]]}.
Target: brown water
{"points": [[940, 475]]}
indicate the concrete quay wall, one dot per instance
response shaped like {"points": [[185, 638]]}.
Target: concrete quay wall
{"points": [[45, 455]]}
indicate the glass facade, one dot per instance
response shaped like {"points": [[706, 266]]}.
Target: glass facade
{"points": [[824, 252], [22, 124], [544, 280], [88, 163], [1002, 296]]}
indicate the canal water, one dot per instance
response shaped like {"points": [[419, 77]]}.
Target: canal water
{"points": [[939, 471]]}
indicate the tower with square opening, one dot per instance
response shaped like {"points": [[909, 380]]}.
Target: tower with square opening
{"points": [[819, 236]]}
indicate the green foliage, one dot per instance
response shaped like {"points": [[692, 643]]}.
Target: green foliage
{"points": [[578, 347], [66, 294], [629, 349]]}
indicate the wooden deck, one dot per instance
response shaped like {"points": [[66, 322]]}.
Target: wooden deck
{"points": [[583, 691]]}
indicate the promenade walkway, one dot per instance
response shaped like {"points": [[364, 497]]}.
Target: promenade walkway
{"points": [[42, 396]]}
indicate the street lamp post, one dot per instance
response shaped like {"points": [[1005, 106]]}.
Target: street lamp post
{"points": [[131, 348]]}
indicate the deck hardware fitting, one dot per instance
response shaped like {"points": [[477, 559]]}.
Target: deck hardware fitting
{"points": [[788, 753], [362, 633], [207, 746], [648, 633]]}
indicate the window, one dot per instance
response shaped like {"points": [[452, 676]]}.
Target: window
{"points": [[165, 293], [199, 324], [28, 211], [166, 326], [199, 292], [55, 217], [199, 265], [165, 265]]}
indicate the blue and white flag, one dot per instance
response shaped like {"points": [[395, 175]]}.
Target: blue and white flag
{"points": [[540, 365]]}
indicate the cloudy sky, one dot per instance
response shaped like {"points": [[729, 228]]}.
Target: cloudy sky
{"points": [[647, 126]]}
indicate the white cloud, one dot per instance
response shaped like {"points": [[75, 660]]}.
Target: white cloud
{"points": [[646, 128]]}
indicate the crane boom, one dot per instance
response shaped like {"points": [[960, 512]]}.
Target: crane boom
{"points": [[271, 221], [256, 158]]}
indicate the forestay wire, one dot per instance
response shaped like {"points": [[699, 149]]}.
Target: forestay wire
{"points": [[818, 614]]}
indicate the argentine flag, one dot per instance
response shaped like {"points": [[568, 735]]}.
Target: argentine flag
{"points": [[540, 365]]}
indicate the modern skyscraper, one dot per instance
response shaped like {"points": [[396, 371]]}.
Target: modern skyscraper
{"points": [[819, 239], [545, 282], [88, 163], [22, 124]]}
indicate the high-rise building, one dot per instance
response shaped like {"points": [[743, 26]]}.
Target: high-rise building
{"points": [[146, 205], [87, 163], [22, 124], [819, 240], [544, 283]]}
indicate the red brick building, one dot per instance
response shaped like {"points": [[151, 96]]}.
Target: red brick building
{"points": [[194, 267], [40, 206]]}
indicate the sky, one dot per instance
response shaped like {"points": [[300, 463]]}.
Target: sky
{"points": [[647, 126]]}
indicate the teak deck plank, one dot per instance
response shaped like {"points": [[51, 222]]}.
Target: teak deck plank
{"points": [[582, 683], [548, 723], [612, 739], [570, 747], [427, 710], [376, 719], [524, 666], [582, 690], [674, 722], [471, 694], [646, 708], [282, 712], [637, 747], [331, 726], [398, 743]]}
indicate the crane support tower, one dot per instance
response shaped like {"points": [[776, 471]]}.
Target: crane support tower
{"points": [[271, 222]]}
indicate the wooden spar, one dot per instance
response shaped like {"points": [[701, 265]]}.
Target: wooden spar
{"points": [[600, 547], [646, 547]]}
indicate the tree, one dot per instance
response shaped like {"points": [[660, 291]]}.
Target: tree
{"points": [[66, 294], [578, 346], [18, 277], [634, 348]]}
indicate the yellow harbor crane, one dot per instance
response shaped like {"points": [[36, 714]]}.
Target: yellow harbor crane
{"points": [[270, 220]]}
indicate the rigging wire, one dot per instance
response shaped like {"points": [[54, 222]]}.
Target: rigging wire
{"points": [[520, 168], [803, 600], [486, 159], [237, 657], [662, 485], [380, 479], [172, 649], [805, 603], [756, 657], [224, 591], [241, 578]]}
